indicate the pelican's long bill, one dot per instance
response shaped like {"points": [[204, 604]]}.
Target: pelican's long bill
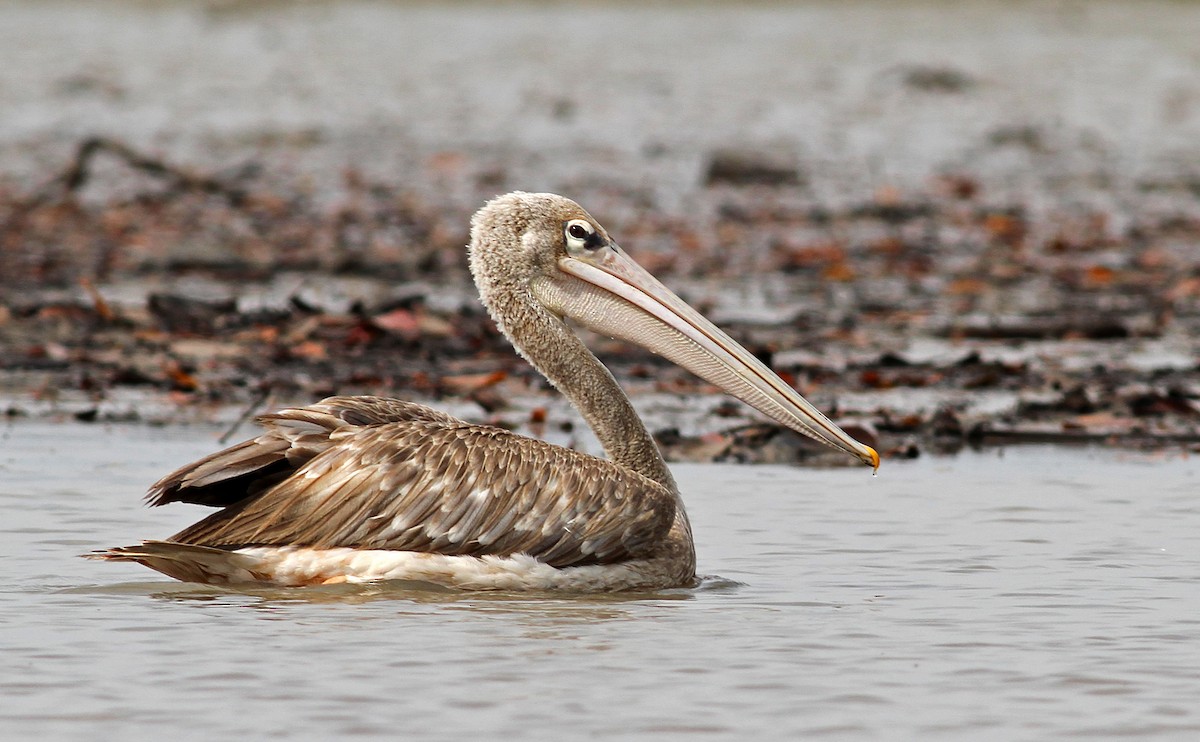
{"points": [[634, 306]]}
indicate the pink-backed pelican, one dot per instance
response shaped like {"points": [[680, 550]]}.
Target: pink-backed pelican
{"points": [[365, 488]]}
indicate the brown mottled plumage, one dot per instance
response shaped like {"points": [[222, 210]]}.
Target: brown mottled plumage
{"points": [[411, 483], [366, 488]]}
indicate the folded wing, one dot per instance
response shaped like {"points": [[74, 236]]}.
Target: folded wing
{"points": [[292, 438], [384, 474]]}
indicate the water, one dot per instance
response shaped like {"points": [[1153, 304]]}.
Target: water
{"points": [[1031, 593]]}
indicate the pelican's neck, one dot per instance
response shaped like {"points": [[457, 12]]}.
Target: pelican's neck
{"points": [[557, 352]]}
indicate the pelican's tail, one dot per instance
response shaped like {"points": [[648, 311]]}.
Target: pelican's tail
{"points": [[187, 562]]}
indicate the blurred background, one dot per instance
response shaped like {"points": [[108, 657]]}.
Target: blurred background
{"points": [[951, 225], [948, 219]]}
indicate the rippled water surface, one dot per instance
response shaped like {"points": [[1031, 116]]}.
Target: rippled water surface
{"points": [[1024, 594]]}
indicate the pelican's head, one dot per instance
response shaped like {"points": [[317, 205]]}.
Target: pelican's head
{"points": [[518, 236], [548, 248]]}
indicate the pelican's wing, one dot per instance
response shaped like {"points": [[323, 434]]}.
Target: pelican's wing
{"points": [[450, 488], [292, 438]]}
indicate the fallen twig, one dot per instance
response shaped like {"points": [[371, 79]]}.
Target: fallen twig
{"points": [[262, 399], [79, 171]]}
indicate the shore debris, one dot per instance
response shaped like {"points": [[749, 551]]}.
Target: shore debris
{"points": [[933, 319]]}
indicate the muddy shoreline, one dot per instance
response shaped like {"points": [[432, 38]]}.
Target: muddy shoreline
{"points": [[926, 240], [891, 331]]}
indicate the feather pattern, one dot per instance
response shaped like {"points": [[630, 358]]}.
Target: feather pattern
{"points": [[292, 438], [370, 473]]}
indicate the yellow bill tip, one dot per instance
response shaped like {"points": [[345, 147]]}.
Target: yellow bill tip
{"points": [[874, 458]]}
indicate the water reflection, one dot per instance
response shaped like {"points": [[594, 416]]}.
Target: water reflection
{"points": [[395, 590], [535, 611]]}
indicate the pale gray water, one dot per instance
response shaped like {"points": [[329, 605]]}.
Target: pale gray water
{"points": [[1033, 593]]}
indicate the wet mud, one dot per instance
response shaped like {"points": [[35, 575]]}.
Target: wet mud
{"points": [[1039, 280]]}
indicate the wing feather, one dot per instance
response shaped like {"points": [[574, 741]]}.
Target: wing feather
{"points": [[437, 485], [292, 438]]}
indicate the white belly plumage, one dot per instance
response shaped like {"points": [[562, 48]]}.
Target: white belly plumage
{"points": [[291, 565], [301, 565]]}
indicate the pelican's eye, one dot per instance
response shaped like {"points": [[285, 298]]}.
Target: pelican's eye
{"points": [[581, 236]]}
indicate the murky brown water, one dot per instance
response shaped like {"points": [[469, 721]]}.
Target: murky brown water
{"points": [[1025, 594]]}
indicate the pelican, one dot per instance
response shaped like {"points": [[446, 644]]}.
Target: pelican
{"points": [[358, 489]]}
